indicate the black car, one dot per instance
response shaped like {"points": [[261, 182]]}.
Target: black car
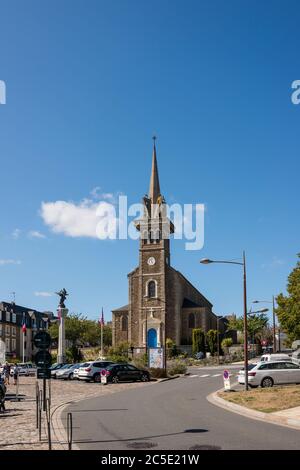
{"points": [[126, 372]]}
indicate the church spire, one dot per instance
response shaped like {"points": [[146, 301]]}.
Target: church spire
{"points": [[154, 189]]}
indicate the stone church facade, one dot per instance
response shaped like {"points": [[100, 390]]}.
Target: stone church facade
{"points": [[162, 302]]}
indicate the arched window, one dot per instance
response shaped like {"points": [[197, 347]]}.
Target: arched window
{"points": [[124, 323], [191, 320], [151, 289]]}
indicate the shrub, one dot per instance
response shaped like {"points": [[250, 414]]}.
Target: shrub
{"points": [[140, 362], [177, 368], [226, 343], [212, 339], [198, 340]]}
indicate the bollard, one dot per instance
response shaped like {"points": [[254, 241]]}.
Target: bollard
{"points": [[48, 423], [69, 430], [37, 399], [49, 391], [40, 413]]}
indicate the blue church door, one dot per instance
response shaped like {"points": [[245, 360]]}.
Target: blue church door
{"points": [[152, 338]]}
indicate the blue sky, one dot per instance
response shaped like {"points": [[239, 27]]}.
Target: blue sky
{"points": [[88, 83]]}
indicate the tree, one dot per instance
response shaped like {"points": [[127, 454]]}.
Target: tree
{"points": [[256, 324], [211, 340], [288, 310], [198, 340], [80, 331]]}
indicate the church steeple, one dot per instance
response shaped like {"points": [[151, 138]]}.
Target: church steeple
{"points": [[154, 188]]}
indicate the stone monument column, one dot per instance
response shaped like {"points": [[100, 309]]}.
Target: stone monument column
{"points": [[62, 313], [61, 353]]}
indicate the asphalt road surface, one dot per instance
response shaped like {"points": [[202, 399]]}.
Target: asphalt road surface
{"points": [[173, 415]]}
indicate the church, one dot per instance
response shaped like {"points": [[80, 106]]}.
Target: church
{"points": [[162, 304]]}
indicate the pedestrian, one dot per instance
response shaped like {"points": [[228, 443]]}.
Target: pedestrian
{"points": [[6, 370], [16, 374], [2, 395]]}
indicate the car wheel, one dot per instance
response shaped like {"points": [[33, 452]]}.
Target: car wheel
{"points": [[97, 378], [145, 378], [267, 382], [253, 386], [115, 379], [70, 376]]}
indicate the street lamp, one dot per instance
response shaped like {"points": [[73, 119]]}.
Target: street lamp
{"points": [[273, 313], [243, 263], [218, 339]]}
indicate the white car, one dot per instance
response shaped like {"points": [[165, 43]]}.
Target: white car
{"points": [[267, 374], [76, 370], [93, 370], [275, 357], [26, 369]]}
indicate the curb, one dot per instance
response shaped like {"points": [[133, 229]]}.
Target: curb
{"points": [[252, 414]]}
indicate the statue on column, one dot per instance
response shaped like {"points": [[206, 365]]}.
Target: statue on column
{"points": [[63, 295]]}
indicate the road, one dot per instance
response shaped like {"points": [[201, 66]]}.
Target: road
{"points": [[173, 415]]}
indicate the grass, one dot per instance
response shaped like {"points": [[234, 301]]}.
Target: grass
{"points": [[267, 400]]}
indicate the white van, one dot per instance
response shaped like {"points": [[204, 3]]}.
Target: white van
{"points": [[275, 357], [296, 356]]}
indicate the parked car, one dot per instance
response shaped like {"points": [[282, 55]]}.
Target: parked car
{"points": [[25, 369], [275, 357], [76, 370], [126, 372], [92, 371], [267, 374], [55, 368], [66, 372], [296, 356]]}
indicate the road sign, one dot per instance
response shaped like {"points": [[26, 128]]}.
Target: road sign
{"points": [[42, 340], [43, 373], [226, 378], [103, 379], [43, 358], [103, 372]]}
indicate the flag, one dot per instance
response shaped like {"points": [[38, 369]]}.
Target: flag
{"points": [[24, 324], [101, 321]]}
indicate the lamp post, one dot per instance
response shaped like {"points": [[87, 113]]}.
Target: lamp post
{"points": [[218, 339], [273, 314], [243, 263]]}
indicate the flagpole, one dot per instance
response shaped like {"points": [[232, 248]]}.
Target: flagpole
{"points": [[101, 340], [23, 345]]}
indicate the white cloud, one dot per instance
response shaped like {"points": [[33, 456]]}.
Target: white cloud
{"points": [[4, 262], [84, 219], [275, 263], [16, 233], [43, 294], [97, 194], [36, 234]]}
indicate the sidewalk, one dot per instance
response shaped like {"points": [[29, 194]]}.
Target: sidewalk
{"points": [[18, 423], [289, 418]]}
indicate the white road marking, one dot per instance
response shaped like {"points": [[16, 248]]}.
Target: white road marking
{"points": [[216, 375], [205, 375], [191, 376]]}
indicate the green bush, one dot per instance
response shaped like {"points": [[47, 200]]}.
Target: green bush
{"points": [[177, 368], [226, 343], [140, 362], [211, 340], [198, 341]]}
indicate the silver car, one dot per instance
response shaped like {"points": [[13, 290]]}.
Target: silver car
{"points": [[267, 374], [66, 372]]}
